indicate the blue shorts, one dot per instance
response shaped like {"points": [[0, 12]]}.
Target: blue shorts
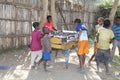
{"points": [[46, 56]]}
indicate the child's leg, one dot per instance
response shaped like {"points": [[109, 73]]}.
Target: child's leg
{"points": [[45, 62], [84, 60], [92, 58], [107, 67], [98, 65], [95, 50], [115, 44], [39, 58], [119, 47], [79, 58], [40, 61], [81, 61], [33, 56]]}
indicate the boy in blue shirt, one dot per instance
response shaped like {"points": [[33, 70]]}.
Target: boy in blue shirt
{"points": [[116, 30]]}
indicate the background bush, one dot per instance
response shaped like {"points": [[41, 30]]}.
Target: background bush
{"points": [[103, 11]]}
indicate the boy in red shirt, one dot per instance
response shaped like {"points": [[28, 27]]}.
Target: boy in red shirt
{"points": [[49, 24]]}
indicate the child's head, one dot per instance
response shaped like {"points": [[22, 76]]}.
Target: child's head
{"points": [[118, 20], [49, 18], [45, 30], [77, 21], [100, 20], [106, 23], [36, 25]]}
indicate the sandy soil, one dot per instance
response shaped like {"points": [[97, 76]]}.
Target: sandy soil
{"points": [[19, 63]]}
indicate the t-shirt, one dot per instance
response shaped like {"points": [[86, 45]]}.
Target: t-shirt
{"points": [[49, 25], [105, 35], [83, 36], [35, 40], [116, 30], [46, 43], [79, 27]]}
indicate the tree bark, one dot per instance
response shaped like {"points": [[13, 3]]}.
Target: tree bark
{"points": [[44, 12], [53, 13], [113, 11]]}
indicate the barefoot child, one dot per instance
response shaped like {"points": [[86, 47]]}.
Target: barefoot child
{"points": [[97, 27], [36, 47], [105, 35], [46, 46], [82, 42]]}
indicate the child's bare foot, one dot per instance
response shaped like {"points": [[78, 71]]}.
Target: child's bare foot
{"points": [[108, 73], [82, 69], [89, 63], [32, 67], [47, 71], [97, 71]]}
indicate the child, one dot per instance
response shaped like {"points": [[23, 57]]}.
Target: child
{"points": [[105, 35], [82, 42], [116, 31], [46, 46], [49, 23], [97, 27], [36, 47]]}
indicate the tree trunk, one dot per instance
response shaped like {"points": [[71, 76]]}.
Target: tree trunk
{"points": [[113, 11], [53, 13], [44, 12]]}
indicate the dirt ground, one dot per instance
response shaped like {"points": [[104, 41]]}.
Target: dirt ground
{"points": [[19, 63]]}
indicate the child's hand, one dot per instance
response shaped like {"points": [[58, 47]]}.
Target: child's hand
{"points": [[111, 40]]}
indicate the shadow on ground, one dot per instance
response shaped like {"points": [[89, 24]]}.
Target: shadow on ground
{"points": [[19, 63]]}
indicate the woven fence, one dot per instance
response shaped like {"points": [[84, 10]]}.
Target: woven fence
{"points": [[16, 17]]}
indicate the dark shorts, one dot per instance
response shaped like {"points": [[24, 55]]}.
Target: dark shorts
{"points": [[103, 55]]}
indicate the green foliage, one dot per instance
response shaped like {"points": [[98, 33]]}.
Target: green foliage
{"points": [[105, 8], [92, 33], [104, 11]]}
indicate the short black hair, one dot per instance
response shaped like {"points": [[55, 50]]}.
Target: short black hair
{"points": [[36, 24], [118, 17], [77, 21], [49, 17], [106, 23]]}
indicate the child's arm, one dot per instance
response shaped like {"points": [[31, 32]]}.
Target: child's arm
{"points": [[54, 28], [111, 40], [112, 37], [29, 45], [97, 37], [40, 35]]}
